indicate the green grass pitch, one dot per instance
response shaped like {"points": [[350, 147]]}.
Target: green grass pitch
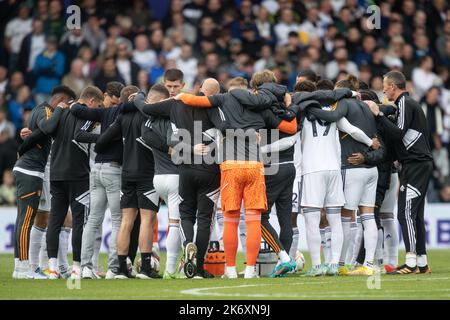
{"points": [[427, 286]]}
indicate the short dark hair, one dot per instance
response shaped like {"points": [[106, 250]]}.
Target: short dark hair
{"points": [[308, 74], [367, 94], [113, 88], [362, 85], [325, 84], [160, 89], [305, 86], [64, 90], [397, 78], [173, 75], [126, 92]]}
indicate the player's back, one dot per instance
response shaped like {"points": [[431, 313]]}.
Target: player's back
{"points": [[320, 147], [361, 117], [70, 159], [138, 162], [35, 159]]}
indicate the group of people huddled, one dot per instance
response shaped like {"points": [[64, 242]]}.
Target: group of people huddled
{"points": [[229, 154]]}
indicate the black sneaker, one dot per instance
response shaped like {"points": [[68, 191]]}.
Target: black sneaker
{"points": [[203, 274], [404, 269], [425, 269], [148, 274]]}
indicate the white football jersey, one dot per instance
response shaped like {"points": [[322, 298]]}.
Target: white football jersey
{"points": [[321, 150], [298, 156]]}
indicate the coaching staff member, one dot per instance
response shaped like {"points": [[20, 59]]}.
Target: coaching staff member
{"points": [[413, 152]]}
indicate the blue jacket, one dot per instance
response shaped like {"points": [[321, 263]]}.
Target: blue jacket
{"points": [[48, 72]]}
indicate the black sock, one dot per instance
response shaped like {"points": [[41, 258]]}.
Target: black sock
{"points": [[122, 263], [146, 259]]}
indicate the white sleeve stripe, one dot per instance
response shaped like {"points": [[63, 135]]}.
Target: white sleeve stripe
{"points": [[401, 118]]}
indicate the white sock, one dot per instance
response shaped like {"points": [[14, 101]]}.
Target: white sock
{"points": [[323, 245], [422, 260], [335, 233], [53, 264], [411, 259], [63, 248], [347, 239], [390, 241], [249, 270], [328, 252], [379, 247], [16, 264], [230, 270], [370, 237], [284, 257], [36, 236], [43, 255], [219, 219], [353, 234], [173, 245], [97, 246], [312, 222], [294, 245], [243, 233], [357, 240]]}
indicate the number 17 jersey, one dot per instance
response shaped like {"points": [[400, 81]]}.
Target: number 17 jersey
{"points": [[321, 150]]}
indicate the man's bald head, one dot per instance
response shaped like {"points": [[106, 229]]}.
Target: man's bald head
{"points": [[210, 87]]}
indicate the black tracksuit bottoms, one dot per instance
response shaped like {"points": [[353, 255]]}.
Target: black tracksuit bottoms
{"points": [[414, 179], [199, 190], [65, 194], [279, 192]]}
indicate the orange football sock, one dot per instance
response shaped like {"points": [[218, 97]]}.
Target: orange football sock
{"points": [[253, 222], [230, 236]]}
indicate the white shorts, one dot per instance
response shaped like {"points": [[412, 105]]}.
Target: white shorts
{"points": [[360, 187], [46, 197], [322, 189], [296, 194], [166, 186], [390, 199]]}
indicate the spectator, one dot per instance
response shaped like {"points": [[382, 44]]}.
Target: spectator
{"points": [[32, 45], [311, 28], [54, 25], [265, 28], [48, 70], [128, 69], [70, 44], [15, 82], [250, 42], [364, 54], [8, 189], [17, 106], [143, 55], [15, 31], [186, 29], [170, 49], [107, 74], [93, 33], [89, 64], [266, 61], [142, 81], [286, 25], [187, 63], [423, 76], [8, 145], [75, 79], [340, 63], [139, 14], [3, 79]]}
